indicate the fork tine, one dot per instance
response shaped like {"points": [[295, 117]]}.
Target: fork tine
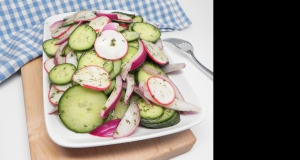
{"points": [[174, 41]]}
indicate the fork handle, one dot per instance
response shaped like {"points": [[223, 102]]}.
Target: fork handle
{"points": [[200, 64]]}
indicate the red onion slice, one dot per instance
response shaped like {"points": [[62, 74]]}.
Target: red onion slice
{"points": [[112, 16], [111, 26], [130, 83], [106, 129], [173, 67], [137, 60], [113, 98], [130, 121], [56, 25]]}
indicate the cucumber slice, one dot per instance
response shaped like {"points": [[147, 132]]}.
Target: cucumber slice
{"points": [[167, 120], [91, 58], [130, 26], [110, 88], [138, 18], [79, 108], [130, 53], [116, 68], [121, 29], [147, 31], [131, 35], [66, 50], [134, 44], [123, 14], [50, 47], [82, 38], [149, 111], [121, 107], [62, 73]]}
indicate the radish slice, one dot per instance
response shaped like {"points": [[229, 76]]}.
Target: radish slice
{"points": [[177, 104], [56, 25], [62, 88], [155, 53], [111, 45], [111, 26], [106, 129], [71, 57], [112, 16], [98, 23], [173, 67], [158, 74], [137, 60], [93, 77], [129, 89], [113, 98], [59, 31], [54, 95], [49, 64], [84, 15], [58, 58], [161, 90], [129, 122]]}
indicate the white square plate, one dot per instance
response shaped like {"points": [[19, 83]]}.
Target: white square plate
{"points": [[66, 138]]}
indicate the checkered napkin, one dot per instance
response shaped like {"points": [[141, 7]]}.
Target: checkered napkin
{"points": [[21, 22]]}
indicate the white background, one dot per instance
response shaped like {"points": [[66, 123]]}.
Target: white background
{"points": [[13, 135]]}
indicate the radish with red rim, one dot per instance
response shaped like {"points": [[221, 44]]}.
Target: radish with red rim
{"points": [[177, 104], [161, 90], [99, 22], [54, 95], [93, 77], [111, 45], [158, 74], [113, 98], [129, 122], [155, 53], [49, 64]]}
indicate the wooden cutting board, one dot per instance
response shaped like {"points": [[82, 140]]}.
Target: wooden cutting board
{"points": [[42, 147]]}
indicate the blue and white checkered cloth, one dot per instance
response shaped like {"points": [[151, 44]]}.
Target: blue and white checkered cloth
{"points": [[22, 23]]}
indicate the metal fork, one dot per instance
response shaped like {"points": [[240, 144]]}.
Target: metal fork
{"points": [[187, 47]]}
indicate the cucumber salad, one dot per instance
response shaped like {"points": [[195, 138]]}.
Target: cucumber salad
{"points": [[108, 75]]}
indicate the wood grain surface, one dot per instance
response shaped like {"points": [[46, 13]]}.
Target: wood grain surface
{"points": [[42, 147]]}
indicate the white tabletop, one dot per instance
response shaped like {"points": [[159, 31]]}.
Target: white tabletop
{"points": [[14, 138]]}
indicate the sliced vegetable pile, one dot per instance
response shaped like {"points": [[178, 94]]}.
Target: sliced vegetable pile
{"points": [[108, 75]]}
